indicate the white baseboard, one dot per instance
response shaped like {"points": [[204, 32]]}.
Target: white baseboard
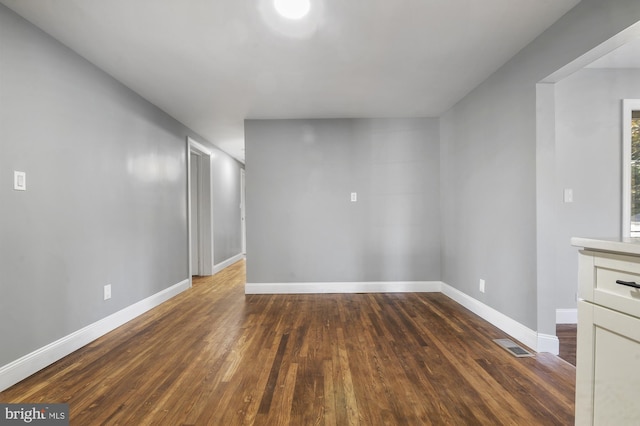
{"points": [[220, 266], [548, 343], [566, 316], [537, 341], [344, 287], [25, 366]]}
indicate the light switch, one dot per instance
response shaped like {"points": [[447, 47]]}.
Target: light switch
{"points": [[354, 197], [568, 195], [19, 181]]}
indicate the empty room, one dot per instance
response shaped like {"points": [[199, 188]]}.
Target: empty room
{"points": [[300, 212]]}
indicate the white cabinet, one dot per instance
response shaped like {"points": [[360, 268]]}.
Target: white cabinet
{"points": [[608, 349], [608, 373]]}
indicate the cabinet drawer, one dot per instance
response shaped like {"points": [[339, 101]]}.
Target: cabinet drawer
{"points": [[610, 272]]}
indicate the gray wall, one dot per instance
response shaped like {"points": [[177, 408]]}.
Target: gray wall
{"points": [[588, 160], [301, 225], [490, 175], [488, 199], [106, 192], [227, 231]]}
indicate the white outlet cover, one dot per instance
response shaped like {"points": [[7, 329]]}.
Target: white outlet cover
{"points": [[354, 197], [107, 292], [19, 181]]}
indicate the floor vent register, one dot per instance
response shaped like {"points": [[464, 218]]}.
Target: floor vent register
{"points": [[513, 348]]}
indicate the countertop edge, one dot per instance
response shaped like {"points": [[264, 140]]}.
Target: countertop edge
{"points": [[617, 245]]}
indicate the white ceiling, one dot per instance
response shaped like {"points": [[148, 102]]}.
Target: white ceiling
{"points": [[213, 63]]}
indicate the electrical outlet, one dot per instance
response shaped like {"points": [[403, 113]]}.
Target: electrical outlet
{"points": [[482, 283], [107, 292]]}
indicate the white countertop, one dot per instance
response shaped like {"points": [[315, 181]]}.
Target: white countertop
{"points": [[617, 245]]}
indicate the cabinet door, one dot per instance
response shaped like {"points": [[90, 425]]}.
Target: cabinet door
{"points": [[608, 377]]}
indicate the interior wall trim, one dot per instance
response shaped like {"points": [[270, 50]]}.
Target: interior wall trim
{"points": [[537, 341], [205, 207], [225, 263], [344, 287], [25, 366], [548, 343], [567, 316]]}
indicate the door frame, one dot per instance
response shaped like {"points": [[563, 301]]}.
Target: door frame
{"points": [[628, 107], [205, 213], [243, 210]]}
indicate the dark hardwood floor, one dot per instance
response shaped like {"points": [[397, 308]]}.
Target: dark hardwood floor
{"points": [[213, 356], [567, 335]]}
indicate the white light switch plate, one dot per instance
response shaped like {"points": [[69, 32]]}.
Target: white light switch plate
{"points": [[354, 196], [19, 181]]}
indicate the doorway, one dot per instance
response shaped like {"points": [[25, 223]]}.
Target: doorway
{"points": [[243, 223], [195, 213], [579, 118], [200, 215]]}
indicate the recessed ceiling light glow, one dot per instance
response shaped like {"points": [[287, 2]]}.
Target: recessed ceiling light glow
{"points": [[292, 9]]}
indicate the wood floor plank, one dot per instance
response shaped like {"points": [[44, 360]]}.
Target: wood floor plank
{"points": [[213, 355], [329, 411], [567, 335]]}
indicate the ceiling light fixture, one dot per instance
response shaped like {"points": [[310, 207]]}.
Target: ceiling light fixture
{"points": [[292, 9]]}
